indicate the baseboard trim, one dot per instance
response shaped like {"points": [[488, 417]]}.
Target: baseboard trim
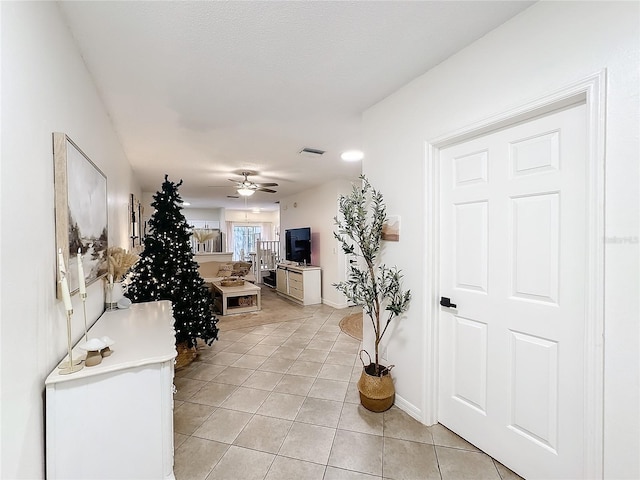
{"points": [[338, 306], [409, 408]]}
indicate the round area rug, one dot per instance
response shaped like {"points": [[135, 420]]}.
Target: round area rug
{"points": [[352, 325]]}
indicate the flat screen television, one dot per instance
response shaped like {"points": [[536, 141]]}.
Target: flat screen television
{"points": [[298, 245]]}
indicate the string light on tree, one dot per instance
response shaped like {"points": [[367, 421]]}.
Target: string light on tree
{"points": [[167, 271]]}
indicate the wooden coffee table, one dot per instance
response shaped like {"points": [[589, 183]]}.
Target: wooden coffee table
{"points": [[232, 300]]}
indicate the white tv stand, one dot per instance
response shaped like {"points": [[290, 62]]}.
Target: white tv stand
{"points": [[301, 284]]}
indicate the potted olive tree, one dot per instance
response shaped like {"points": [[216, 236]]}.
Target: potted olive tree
{"points": [[372, 285]]}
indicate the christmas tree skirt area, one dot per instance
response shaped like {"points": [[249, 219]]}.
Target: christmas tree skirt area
{"points": [[185, 356]]}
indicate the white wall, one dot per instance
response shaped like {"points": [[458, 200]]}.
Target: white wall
{"points": [[247, 216], [146, 200], [316, 208], [547, 47], [211, 215], [45, 88]]}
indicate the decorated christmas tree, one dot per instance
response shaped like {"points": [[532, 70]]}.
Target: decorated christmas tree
{"points": [[166, 270]]}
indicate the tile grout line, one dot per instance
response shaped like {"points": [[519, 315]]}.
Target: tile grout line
{"points": [[315, 378], [435, 452]]}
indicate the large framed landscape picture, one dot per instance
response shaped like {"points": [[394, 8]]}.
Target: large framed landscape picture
{"points": [[81, 210]]}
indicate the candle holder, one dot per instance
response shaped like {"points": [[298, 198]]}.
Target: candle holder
{"points": [[83, 296], [71, 365]]}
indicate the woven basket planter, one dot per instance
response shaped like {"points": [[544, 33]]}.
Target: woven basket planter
{"points": [[185, 355], [377, 393]]}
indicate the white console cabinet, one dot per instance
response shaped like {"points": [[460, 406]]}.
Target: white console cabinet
{"points": [[300, 284], [115, 420]]}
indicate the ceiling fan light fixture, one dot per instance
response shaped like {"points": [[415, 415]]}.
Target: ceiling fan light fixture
{"points": [[352, 155], [246, 192]]}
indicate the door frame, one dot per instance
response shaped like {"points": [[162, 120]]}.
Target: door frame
{"points": [[592, 92]]}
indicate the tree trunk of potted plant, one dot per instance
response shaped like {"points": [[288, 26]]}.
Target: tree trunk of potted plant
{"points": [[373, 286]]}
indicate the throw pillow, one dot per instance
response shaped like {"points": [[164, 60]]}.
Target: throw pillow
{"points": [[241, 268], [225, 270]]}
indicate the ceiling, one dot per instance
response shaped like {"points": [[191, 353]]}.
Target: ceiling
{"points": [[203, 90]]}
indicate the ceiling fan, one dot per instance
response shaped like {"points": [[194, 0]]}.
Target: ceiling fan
{"points": [[247, 188]]}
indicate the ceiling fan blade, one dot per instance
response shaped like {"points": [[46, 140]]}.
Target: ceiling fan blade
{"points": [[267, 190], [266, 184]]}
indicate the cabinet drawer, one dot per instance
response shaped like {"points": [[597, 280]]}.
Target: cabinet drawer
{"points": [[295, 279], [296, 292]]}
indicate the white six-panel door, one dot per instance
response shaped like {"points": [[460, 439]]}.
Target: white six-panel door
{"points": [[513, 260]]}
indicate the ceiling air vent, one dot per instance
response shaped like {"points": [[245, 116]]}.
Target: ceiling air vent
{"points": [[311, 152]]}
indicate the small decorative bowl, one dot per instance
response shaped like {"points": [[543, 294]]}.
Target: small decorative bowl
{"points": [[124, 303]]}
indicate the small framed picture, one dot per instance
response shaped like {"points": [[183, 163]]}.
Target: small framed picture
{"points": [[391, 229]]}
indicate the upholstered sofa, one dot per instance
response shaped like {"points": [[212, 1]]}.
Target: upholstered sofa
{"points": [[216, 271]]}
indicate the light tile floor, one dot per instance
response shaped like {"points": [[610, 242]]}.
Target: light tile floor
{"points": [[280, 401]]}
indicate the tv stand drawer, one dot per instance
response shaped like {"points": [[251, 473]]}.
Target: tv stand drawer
{"points": [[296, 280], [300, 284]]}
